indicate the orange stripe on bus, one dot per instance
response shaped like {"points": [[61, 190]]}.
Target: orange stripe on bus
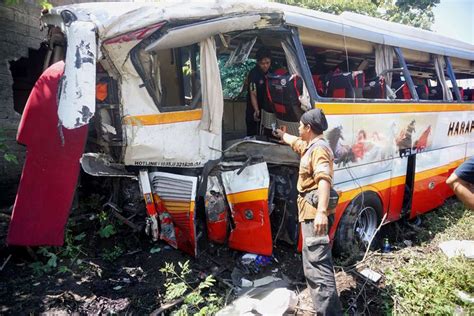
{"points": [[390, 183], [378, 186], [248, 196], [386, 108], [163, 118]]}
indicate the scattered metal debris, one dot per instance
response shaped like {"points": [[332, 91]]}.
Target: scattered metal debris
{"points": [[5, 262]]}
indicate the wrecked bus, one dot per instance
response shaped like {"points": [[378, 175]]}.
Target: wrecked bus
{"points": [[146, 80]]}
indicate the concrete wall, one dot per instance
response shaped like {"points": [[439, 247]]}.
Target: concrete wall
{"points": [[19, 31]]}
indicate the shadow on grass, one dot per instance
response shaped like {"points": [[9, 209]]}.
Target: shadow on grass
{"points": [[424, 228]]}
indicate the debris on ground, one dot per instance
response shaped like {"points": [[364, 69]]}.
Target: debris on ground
{"points": [[120, 273], [371, 274], [454, 248]]}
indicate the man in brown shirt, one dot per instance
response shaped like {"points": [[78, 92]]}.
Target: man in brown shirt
{"points": [[316, 173]]}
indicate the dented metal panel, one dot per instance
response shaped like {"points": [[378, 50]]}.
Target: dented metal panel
{"points": [[175, 199], [193, 33], [247, 194], [77, 94], [178, 144]]}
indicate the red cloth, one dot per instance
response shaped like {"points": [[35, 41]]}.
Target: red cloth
{"points": [[51, 168]]}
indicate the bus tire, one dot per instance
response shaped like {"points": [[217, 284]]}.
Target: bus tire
{"points": [[358, 223]]}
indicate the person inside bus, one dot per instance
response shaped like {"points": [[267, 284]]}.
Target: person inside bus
{"points": [[461, 181], [256, 89], [316, 214], [421, 88]]}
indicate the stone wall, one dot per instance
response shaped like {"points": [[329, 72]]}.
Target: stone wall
{"points": [[19, 32]]}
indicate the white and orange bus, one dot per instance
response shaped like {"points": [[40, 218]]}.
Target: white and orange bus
{"points": [[152, 82]]}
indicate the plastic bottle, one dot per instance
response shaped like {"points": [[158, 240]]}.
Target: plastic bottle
{"points": [[386, 246]]}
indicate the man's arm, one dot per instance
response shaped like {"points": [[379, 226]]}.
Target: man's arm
{"points": [[463, 190], [253, 101], [321, 218], [287, 138]]}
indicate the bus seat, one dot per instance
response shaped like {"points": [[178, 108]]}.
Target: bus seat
{"points": [[341, 86], [374, 89], [359, 84], [422, 90], [283, 93], [461, 92], [468, 94], [319, 85], [436, 93], [401, 89]]}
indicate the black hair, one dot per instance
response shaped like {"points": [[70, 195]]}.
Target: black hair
{"points": [[263, 52], [316, 119]]}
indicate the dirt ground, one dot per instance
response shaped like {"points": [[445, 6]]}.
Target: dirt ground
{"points": [[121, 273]]}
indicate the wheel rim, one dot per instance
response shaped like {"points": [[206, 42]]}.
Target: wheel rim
{"points": [[366, 224]]}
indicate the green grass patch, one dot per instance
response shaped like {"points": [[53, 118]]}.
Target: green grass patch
{"points": [[422, 280]]}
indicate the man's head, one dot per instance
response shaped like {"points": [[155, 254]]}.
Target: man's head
{"points": [[312, 122], [264, 59]]}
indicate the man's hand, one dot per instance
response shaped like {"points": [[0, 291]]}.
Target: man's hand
{"points": [[278, 133], [256, 115], [320, 224]]}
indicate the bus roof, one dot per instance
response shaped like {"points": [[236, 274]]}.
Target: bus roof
{"points": [[116, 18]]}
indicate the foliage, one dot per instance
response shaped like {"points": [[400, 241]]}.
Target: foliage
{"points": [[233, 77], [112, 254], [417, 13], [8, 157], [452, 221], [45, 4], [198, 300], [428, 285], [107, 231], [107, 228], [70, 251], [337, 6], [424, 280]]}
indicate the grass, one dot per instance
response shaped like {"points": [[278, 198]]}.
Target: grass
{"points": [[421, 279]]}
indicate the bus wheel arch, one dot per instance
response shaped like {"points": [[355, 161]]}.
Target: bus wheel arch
{"points": [[358, 223]]}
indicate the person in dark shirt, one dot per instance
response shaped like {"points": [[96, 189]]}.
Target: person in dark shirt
{"points": [[256, 90], [461, 181]]}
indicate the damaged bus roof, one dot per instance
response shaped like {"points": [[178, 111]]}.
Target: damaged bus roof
{"points": [[115, 19]]}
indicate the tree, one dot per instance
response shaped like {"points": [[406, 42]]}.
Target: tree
{"points": [[418, 13]]}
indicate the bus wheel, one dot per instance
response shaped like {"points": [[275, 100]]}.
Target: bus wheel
{"points": [[357, 226]]}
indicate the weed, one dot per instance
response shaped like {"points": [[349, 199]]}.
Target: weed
{"points": [[423, 280], [197, 300], [71, 250], [429, 284], [40, 268], [7, 156], [112, 254], [107, 228]]}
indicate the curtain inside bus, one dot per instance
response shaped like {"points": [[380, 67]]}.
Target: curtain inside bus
{"points": [[439, 67], [212, 97], [384, 61]]}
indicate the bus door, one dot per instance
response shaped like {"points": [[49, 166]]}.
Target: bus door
{"points": [[247, 193]]}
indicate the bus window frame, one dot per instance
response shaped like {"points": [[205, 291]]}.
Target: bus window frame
{"points": [[452, 77], [304, 66], [135, 59], [407, 76], [315, 97]]}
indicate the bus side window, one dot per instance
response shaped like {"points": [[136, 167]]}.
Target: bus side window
{"points": [[171, 77]]}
